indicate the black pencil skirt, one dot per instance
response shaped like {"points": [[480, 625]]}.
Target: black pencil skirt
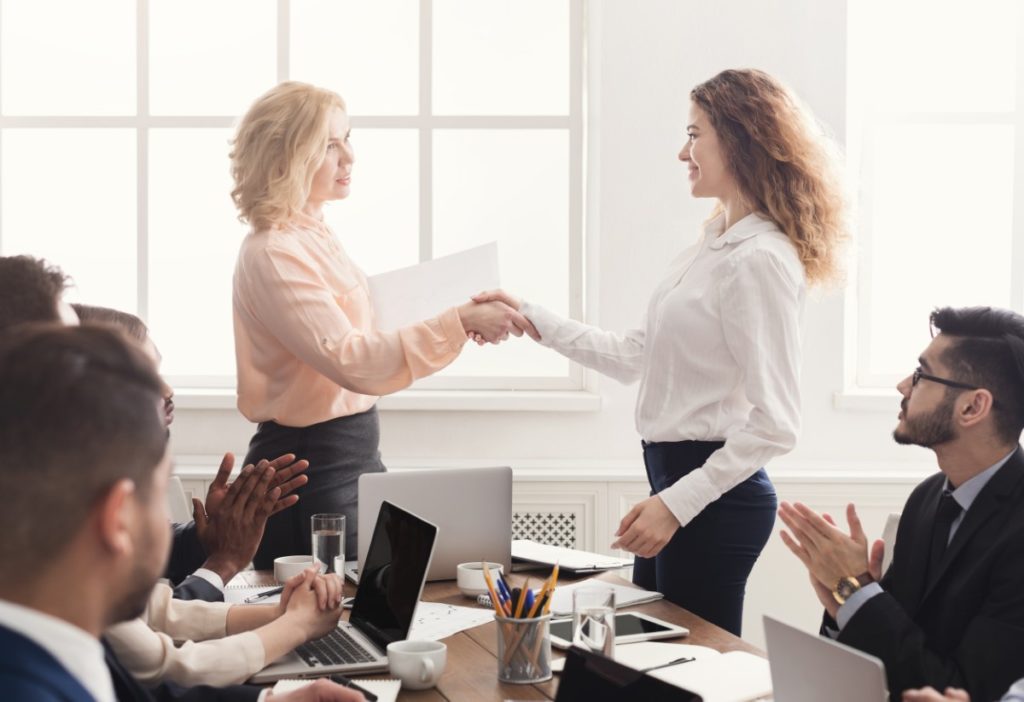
{"points": [[339, 451]]}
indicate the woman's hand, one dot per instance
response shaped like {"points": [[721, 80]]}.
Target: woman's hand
{"points": [[514, 303], [312, 602], [646, 528], [493, 321]]}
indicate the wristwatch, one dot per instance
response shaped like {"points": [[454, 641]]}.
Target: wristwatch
{"points": [[848, 585]]}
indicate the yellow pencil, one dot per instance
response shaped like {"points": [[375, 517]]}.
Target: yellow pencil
{"points": [[554, 583], [495, 601], [522, 599]]}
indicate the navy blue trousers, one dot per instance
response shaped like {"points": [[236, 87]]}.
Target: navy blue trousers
{"points": [[704, 567], [339, 451]]}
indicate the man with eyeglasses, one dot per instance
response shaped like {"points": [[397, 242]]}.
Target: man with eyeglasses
{"points": [[950, 609]]}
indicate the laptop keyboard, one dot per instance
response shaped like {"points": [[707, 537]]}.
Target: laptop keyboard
{"points": [[335, 648]]}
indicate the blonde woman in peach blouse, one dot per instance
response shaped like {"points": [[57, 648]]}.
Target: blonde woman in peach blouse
{"points": [[311, 362]]}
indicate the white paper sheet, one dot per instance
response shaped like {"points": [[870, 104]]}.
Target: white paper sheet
{"points": [[435, 620], [386, 690], [408, 295]]}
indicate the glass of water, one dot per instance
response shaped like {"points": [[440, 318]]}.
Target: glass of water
{"points": [[593, 619], [329, 542]]}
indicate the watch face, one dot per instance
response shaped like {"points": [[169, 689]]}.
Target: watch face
{"points": [[846, 587]]}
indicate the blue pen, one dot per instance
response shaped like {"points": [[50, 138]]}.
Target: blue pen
{"points": [[503, 591], [529, 600]]}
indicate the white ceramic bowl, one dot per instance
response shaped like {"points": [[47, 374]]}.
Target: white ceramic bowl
{"points": [[469, 577]]}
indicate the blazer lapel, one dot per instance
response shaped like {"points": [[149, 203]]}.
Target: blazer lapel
{"points": [[916, 548], [986, 506]]}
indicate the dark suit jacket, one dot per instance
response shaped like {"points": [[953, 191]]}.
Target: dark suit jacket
{"points": [[187, 553], [28, 673], [964, 627]]}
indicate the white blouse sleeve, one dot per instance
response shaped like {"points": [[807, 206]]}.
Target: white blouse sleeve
{"points": [[760, 302], [618, 357], [152, 657]]}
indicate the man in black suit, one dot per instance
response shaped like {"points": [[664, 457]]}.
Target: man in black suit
{"points": [[210, 550], [84, 468], [950, 609]]}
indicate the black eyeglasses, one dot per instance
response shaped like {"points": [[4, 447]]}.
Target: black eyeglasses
{"points": [[919, 374]]}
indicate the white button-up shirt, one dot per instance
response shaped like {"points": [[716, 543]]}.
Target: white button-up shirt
{"points": [[718, 357], [79, 652]]}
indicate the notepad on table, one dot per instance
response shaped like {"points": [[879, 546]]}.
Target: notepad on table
{"points": [[735, 676], [386, 690], [625, 596], [568, 559]]}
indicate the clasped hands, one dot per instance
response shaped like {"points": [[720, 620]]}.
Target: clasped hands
{"points": [[492, 316], [829, 553]]}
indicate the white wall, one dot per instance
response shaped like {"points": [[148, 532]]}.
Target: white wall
{"points": [[643, 59]]}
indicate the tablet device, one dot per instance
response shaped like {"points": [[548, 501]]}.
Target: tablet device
{"points": [[590, 677], [630, 627]]}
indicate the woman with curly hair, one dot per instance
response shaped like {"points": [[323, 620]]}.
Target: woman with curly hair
{"points": [[718, 356]]}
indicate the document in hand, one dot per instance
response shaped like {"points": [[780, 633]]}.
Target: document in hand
{"points": [[568, 559], [408, 295], [735, 676]]}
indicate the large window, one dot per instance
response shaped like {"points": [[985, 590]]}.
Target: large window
{"points": [[115, 117], [936, 138]]}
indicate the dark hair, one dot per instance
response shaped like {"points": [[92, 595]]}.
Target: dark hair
{"points": [[988, 352], [132, 325], [29, 291], [79, 411]]}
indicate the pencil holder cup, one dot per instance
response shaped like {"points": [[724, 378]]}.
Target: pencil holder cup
{"points": [[524, 649]]}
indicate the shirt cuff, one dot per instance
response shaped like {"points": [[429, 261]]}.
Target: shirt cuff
{"points": [[854, 602], [264, 694], [546, 323], [689, 496], [454, 330], [210, 577]]}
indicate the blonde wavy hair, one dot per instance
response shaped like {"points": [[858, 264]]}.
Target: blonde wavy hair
{"points": [[785, 165], [278, 146]]}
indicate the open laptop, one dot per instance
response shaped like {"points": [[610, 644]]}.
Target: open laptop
{"points": [[810, 668], [591, 677], [472, 507], [396, 569]]}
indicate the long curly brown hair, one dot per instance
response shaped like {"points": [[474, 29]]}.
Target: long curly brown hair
{"points": [[785, 165]]}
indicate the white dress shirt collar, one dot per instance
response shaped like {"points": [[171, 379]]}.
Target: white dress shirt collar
{"points": [[748, 226], [80, 653]]}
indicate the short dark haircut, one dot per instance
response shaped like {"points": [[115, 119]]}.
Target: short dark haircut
{"points": [[29, 291], [987, 351], [132, 325], [79, 411]]}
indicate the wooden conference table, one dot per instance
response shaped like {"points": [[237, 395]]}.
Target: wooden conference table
{"points": [[472, 669]]}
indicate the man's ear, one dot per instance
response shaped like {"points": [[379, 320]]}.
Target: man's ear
{"points": [[974, 407], [116, 516]]}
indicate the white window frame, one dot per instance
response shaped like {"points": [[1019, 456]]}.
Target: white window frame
{"points": [[863, 389], [570, 392]]}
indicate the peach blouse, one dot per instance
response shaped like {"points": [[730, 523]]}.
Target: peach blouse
{"points": [[306, 345]]}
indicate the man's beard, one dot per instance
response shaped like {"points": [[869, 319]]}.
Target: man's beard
{"points": [[928, 430], [145, 572]]}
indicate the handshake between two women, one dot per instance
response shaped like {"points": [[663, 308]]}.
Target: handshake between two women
{"points": [[492, 316]]}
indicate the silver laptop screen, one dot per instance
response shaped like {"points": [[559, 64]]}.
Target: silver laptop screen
{"points": [[391, 579]]}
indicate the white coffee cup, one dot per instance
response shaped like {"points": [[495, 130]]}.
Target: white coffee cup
{"points": [[418, 664], [469, 577], [286, 567]]}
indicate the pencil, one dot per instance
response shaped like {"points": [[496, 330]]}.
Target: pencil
{"points": [[495, 601], [522, 599], [551, 594]]}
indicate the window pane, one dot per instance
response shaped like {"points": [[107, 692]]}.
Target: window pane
{"points": [[194, 235], [366, 51], [68, 57], [511, 187], [919, 250], [211, 58], [923, 55], [493, 57], [378, 224], [69, 197]]}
